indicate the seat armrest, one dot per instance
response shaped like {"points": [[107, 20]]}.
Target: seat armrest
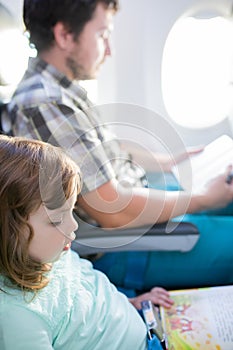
{"points": [[171, 236]]}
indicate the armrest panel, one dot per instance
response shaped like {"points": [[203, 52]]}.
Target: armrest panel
{"points": [[170, 236]]}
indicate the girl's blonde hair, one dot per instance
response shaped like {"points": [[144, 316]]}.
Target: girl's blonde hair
{"points": [[31, 173]]}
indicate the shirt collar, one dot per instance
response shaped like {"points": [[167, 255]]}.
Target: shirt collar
{"points": [[42, 67]]}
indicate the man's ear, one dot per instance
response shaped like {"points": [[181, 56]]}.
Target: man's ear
{"points": [[62, 35]]}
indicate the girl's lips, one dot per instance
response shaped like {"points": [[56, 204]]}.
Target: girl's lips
{"points": [[67, 247]]}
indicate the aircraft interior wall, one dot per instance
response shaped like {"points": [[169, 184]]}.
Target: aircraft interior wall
{"points": [[133, 74]]}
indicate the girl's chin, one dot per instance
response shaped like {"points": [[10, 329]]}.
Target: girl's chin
{"points": [[59, 255], [67, 247]]}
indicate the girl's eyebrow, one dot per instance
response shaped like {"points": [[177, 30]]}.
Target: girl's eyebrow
{"points": [[56, 212], [63, 210]]}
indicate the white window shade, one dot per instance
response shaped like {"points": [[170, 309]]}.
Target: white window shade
{"points": [[197, 71]]}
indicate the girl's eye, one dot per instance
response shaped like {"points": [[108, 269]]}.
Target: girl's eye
{"points": [[56, 223]]}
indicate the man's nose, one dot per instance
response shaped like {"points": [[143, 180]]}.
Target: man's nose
{"points": [[108, 48]]}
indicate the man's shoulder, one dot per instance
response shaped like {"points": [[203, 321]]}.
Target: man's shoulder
{"points": [[34, 90]]}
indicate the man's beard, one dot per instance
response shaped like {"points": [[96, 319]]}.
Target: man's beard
{"points": [[77, 70]]}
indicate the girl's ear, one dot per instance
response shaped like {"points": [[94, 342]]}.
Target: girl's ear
{"points": [[63, 37]]}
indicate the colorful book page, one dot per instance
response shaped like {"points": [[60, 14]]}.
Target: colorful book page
{"points": [[200, 319]]}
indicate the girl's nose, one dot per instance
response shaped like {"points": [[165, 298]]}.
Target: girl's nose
{"points": [[75, 225]]}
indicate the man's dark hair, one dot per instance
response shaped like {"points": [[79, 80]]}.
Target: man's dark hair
{"points": [[40, 16]]}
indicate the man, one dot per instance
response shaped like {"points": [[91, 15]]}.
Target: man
{"points": [[72, 40]]}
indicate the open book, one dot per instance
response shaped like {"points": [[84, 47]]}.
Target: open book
{"points": [[200, 319], [195, 172]]}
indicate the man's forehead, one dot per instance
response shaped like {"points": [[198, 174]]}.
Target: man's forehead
{"points": [[103, 17]]}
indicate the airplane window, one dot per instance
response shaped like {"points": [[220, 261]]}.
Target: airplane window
{"points": [[197, 71]]}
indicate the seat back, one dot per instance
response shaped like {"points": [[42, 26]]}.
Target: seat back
{"points": [[5, 121]]}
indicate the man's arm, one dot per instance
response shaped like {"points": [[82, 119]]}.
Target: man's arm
{"points": [[113, 205]]}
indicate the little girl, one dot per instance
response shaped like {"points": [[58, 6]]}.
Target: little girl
{"points": [[49, 297]]}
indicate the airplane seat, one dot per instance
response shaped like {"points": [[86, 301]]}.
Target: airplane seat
{"points": [[5, 123], [7, 22]]}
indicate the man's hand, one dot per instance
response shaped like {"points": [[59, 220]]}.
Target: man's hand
{"points": [[170, 162], [157, 295], [217, 192]]}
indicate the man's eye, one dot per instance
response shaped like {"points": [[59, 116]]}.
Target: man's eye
{"points": [[105, 35]]}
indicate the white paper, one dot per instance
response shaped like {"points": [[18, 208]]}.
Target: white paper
{"points": [[195, 172]]}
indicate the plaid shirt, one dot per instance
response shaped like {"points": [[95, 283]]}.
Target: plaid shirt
{"points": [[49, 107]]}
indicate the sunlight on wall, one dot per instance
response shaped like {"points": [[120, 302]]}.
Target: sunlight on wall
{"points": [[13, 61], [197, 71], [14, 57], [91, 86]]}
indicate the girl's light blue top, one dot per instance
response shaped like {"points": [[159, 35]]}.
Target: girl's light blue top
{"points": [[79, 309]]}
